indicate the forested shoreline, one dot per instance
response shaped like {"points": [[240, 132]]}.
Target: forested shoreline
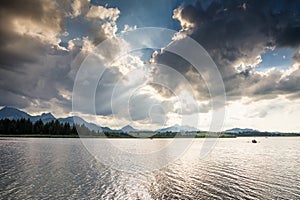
{"points": [[25, 126]]}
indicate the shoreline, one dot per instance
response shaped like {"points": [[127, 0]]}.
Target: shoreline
{"points": [[103, 137]]}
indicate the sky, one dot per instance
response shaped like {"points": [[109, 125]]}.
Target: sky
{"points": [[255, 46]]}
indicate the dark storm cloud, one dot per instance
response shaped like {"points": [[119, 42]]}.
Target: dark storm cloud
{"points": [[33, 67], [35, 70], [291, 83], [289, 37], [235, 30], [143, 107], [12, 98], [296, 56], [105, 91], [236, 33], [24, 28], [182, 67], [245, 24], [36, 84]]}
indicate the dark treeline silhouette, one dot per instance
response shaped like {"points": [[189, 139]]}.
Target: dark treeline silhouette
{"points": [[25, 126], [38, 128]]}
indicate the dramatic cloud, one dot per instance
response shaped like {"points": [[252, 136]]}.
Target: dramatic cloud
{"points": [[296, 56], [103, 22], [235, 35], [80, 7], [100, 12], [29, 38], [44, 43], [37, 70], [29, 30], [277, 114]]}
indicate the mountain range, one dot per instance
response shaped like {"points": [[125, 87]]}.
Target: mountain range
{"points": [[15, 114], [241, 130], [177, 128]]}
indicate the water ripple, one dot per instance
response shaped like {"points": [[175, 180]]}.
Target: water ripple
{"points": [[235, 169]]}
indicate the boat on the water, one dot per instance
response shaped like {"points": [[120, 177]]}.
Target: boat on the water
{"points": [[254, 141]]}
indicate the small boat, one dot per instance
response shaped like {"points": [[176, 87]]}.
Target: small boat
{"points": [[254, 141]]}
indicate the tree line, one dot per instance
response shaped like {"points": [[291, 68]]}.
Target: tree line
{"points": [[25, 126], [52, 128]]}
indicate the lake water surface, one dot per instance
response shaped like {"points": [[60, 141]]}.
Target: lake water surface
{"points": [[44, 168]]}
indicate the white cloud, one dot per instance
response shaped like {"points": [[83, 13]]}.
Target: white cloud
{"points": [[185, 24], [128, 28], [265, 115], [103, 22], [79, 6], [100, 12], [43, 72]]}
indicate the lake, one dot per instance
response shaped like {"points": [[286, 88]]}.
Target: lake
{"points": [[63, 168]]}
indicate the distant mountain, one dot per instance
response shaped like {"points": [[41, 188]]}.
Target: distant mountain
{"points": [[128, 128], [13, 113], [45, 117], [178, 128], [241, 130], [73, 119], [80, 121]]}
